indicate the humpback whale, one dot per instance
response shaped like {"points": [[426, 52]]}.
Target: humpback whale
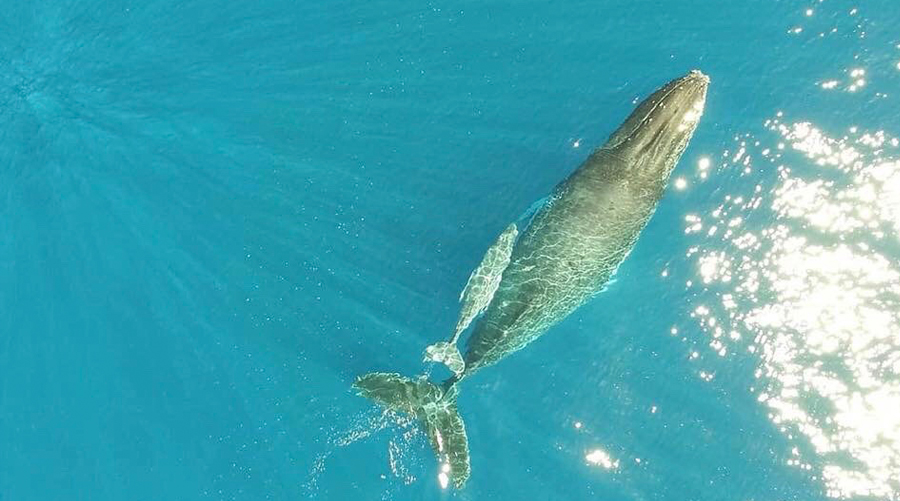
{"points": [[550, 262]]}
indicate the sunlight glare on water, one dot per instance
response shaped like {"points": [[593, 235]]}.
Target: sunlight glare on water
{"points": [[601, 458], [813, 294]]}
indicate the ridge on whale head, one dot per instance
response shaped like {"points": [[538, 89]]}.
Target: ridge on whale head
{"points": [[656, 133]]}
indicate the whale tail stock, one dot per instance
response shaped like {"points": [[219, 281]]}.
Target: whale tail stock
{"points": [[435, 407]]}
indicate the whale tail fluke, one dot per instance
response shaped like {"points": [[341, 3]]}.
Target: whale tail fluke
{"points": [[435, 407], [447, 354]]}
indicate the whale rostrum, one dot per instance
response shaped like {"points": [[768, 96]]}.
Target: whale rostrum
{"points": [[530, 280]]}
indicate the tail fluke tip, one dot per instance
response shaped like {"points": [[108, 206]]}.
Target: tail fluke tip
{"points": [[435, 407]]}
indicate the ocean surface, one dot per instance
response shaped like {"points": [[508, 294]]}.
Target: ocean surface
{"points": [[215, 215]]}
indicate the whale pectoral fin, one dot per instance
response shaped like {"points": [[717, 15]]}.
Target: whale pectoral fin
{"points": [[483, 282], [472, 276], [491, 267], [447, 354]]}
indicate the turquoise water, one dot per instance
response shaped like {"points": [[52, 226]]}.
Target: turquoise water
{"points": [[215, 215]]}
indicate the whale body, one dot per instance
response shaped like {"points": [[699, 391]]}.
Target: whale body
{"points": [[567, 251]]}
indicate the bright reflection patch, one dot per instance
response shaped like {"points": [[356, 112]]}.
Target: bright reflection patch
{"points": [[601, 458], [444, 476], [812, 288]]}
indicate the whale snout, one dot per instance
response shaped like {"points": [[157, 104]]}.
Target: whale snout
{"points": [[679, 96], [686, 102], [698, 75], [658, 130], [694, 84]]}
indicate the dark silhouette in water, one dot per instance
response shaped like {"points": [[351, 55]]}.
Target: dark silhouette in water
{"points": [[567, 251]]}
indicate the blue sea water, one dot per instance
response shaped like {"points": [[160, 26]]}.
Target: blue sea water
{"points": [[215, 215]]}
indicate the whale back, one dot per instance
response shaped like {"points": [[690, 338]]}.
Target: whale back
{"points": [[569, 252], [578, 239]]}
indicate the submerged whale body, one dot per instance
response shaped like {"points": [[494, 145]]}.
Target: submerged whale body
{"points": [[566, 251]]}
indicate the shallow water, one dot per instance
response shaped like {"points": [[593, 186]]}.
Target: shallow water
{"points": [[215, 216]]}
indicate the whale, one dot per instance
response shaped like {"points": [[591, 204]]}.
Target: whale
{"points": [[555, 258]]}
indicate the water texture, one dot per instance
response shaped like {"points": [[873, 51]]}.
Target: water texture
{"points": [[215, 215]]}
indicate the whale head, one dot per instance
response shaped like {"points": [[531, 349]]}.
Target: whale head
{"points": [[656, 133]]}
